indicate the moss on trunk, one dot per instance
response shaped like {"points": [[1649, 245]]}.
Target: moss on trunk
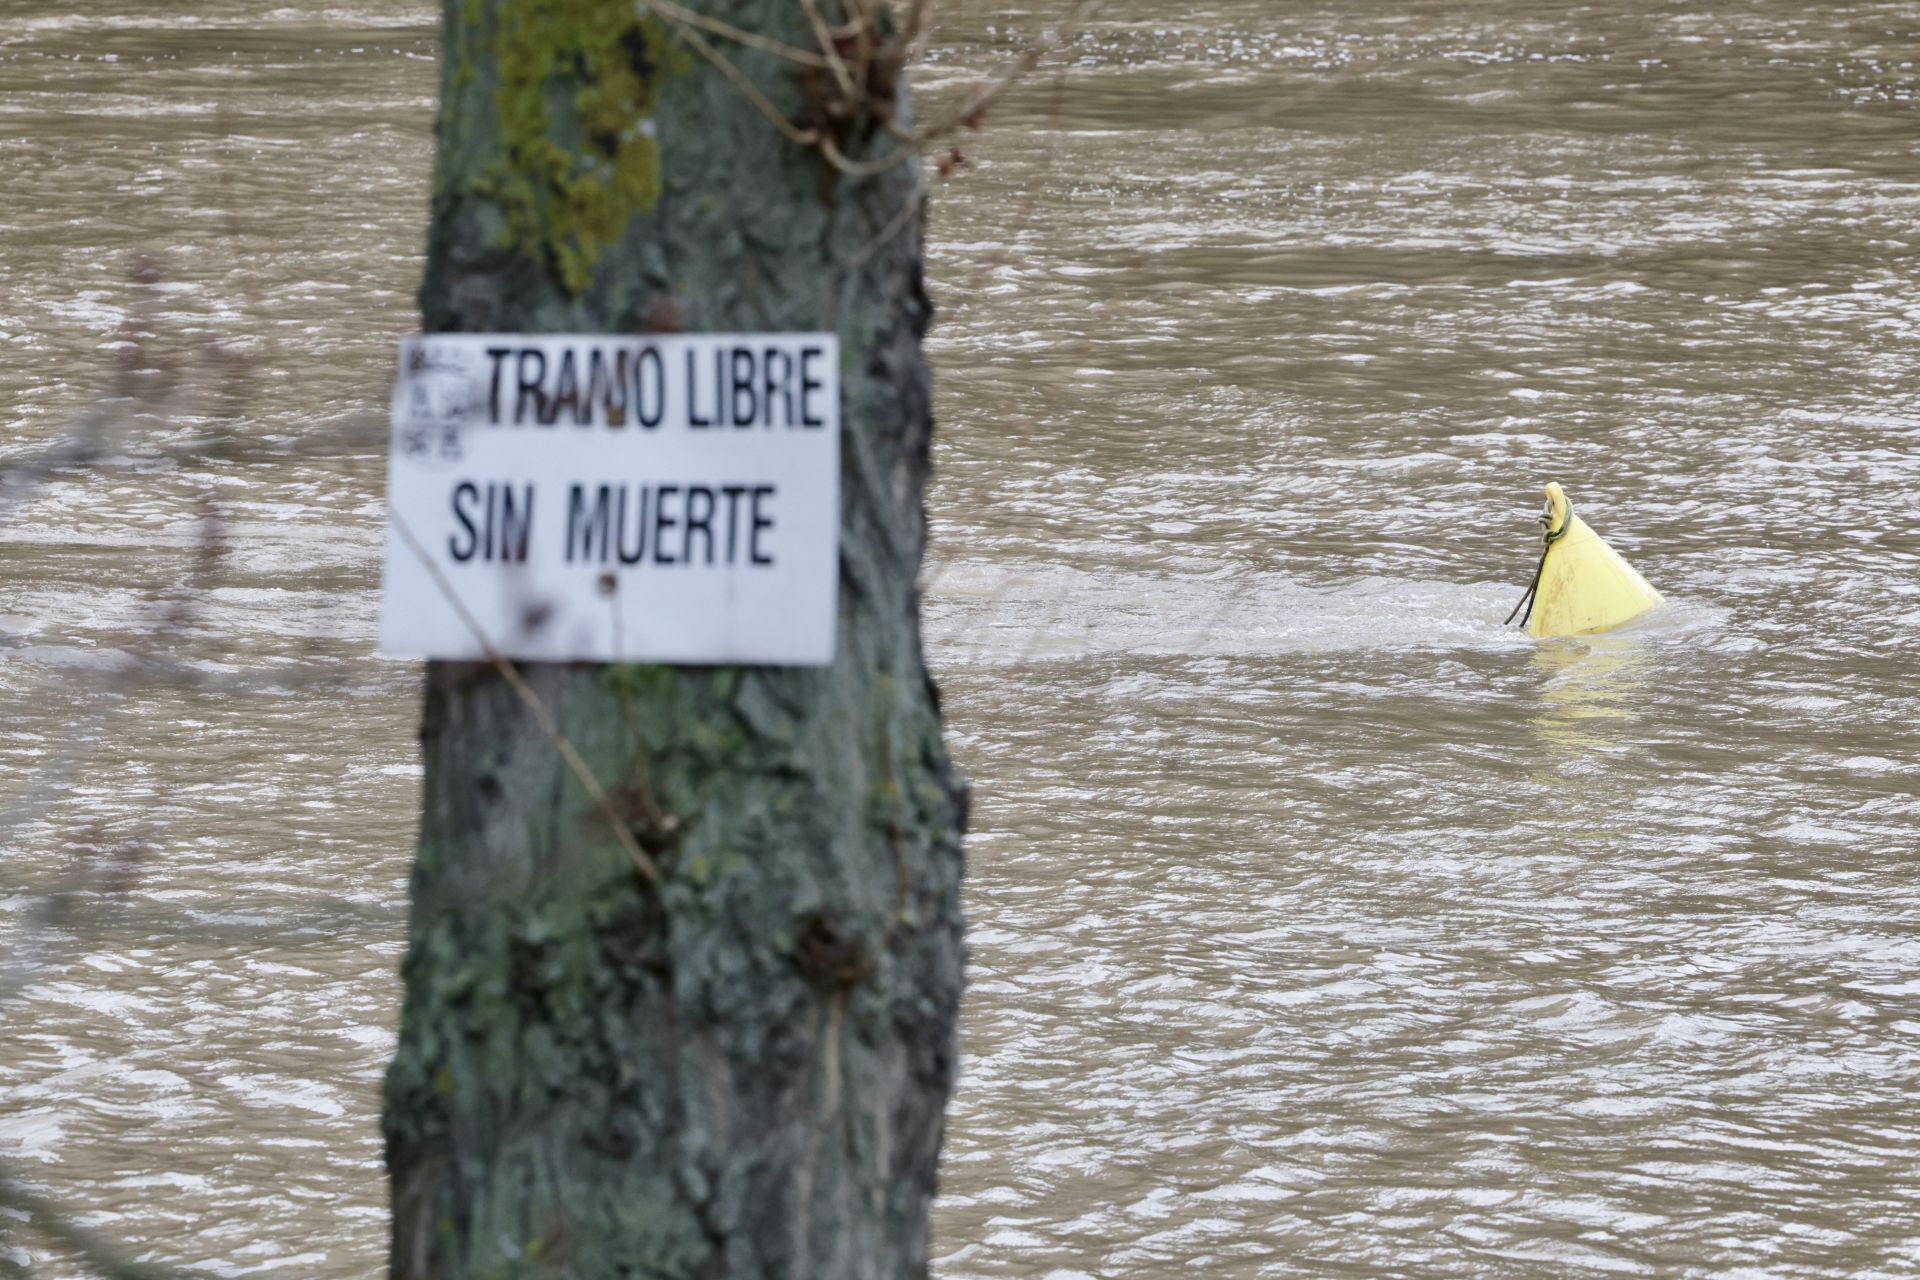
{"points": [[739, 1071]]}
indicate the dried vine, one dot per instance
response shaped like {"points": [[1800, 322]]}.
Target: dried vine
{"points": [[849, 77]]}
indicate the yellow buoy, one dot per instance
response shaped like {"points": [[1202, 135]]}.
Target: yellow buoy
{"points": [[1582, 585]]}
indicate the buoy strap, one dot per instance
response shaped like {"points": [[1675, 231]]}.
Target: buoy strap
{"points": [[1552, 536]]}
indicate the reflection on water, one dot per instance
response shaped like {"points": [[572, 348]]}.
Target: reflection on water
{"points": [[1320, 925], [1588, 685]]}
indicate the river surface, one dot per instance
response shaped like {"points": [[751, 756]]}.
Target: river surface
{"points": [[1320, 926]]}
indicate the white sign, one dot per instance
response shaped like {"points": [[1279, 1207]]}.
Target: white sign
{"points": [[615, 499]]}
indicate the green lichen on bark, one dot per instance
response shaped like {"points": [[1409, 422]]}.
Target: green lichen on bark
{"points": [[575, 101]]}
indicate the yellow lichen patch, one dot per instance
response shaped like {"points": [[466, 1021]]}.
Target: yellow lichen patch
{"points": [[575, 104]]}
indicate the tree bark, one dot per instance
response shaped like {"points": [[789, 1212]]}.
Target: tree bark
{"points": [[740, 1069]]}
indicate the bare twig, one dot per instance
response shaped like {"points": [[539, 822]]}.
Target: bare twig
{"points": [[700, 45], [739, 35], [622, 828], [969, 113], [895, 225], [151, 393], [856, 97], [827, 47], [914, 27], [900, 221], [866, 25], [93, 1250], [84, 444]]}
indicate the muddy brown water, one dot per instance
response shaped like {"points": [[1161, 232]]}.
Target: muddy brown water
{"points": [[1320, 926]]}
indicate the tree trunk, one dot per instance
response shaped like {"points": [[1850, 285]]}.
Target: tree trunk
{"points": [[739, 1069]]}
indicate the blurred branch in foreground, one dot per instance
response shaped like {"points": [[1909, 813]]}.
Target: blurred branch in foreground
{"points": [[28, 1211], [167, 405]]}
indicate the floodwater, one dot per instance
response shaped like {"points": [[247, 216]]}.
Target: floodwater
{"points": [[1320, 925]]}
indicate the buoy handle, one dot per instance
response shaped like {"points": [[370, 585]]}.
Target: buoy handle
{"points": [[1558, 513]]}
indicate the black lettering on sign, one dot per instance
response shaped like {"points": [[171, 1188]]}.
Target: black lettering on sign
{"points": [[699, 519], [742, 401], [633, 550], [497, 522], [586, 528], [780, 384], [733, 493], [609, 391], [693, 401], [566, 391], [760, 522], [529, 370], [663, 522], [516, 523], [692, 524], [600, 529], [650, 368], [810, 382], [499, 357], [466, 492]]}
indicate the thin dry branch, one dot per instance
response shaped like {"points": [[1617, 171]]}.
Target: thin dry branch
{"points": [[828, 47], [94, 1251], [739, 35], [970, 113], [866, 25], [857, 100], [152, 392], [900, 221], [741, 81], [895, 225], [915, 26], [622, 827]]}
